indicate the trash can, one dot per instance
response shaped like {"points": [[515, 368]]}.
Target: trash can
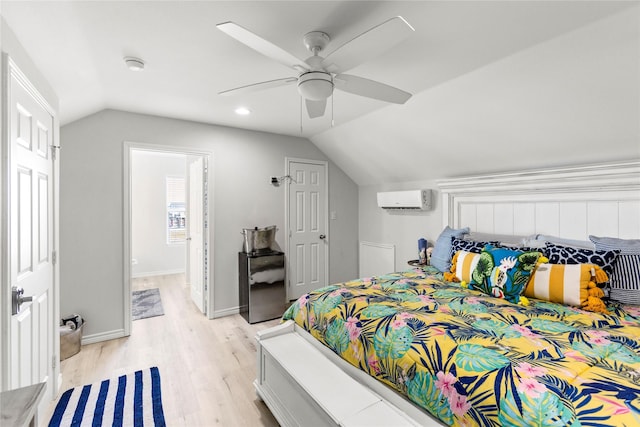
{"points": [[70, 335]]}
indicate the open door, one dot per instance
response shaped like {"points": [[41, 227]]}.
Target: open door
{"points": [[29, 343], [196, 232]]}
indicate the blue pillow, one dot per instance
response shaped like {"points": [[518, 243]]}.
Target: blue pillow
{"points": [[441, 255]]}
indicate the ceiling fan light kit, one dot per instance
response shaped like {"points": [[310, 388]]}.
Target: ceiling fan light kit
{"points": [[317, 74], [315, 85]]}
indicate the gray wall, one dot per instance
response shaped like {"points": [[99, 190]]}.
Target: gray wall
{"points": [[243, 161]]}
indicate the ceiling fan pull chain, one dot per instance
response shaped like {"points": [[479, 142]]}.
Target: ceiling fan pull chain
{"points": [[300, 114], [332, 122]]}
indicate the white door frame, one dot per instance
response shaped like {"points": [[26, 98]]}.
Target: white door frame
{"points": [[201, 302], [9, 67], [287, 224], [130, 146]]}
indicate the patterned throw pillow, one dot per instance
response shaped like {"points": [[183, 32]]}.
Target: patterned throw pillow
{"points": [[441, 255], [472, 246], [462, 265], [625, 278], [568, 284], [559, 254], [503, 273]]}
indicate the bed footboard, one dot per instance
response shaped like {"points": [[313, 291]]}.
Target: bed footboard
{"points": [[302, 386]]}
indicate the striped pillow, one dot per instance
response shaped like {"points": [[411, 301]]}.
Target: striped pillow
{"points": [[625, 278], [568, 284], [462, 265]]}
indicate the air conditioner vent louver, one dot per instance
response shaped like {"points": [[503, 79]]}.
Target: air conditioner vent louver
{"points": [[412, 199]]}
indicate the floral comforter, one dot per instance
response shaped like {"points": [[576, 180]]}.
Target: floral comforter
{"points": [[471, 359]]}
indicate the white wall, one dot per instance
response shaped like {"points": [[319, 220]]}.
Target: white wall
{"points": [[571, 100], [399, 228], [149, 248], [243, 162]]}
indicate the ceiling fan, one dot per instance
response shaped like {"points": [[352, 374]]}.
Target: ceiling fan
{"points": [[317, 75]]}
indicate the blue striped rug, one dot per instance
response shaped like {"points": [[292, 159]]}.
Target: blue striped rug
{"points": [[130, 400]]}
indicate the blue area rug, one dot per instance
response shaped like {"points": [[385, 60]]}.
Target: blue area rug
{"points": [[146, 303], [130, 400]]}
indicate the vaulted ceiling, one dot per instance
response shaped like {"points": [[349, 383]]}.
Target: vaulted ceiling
{"points": [[497, 85]]}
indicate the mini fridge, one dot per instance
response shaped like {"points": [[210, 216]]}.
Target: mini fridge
{"points": [[262, 280]]}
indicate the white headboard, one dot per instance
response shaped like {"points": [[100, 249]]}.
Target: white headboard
{"points": [[602, 200]]}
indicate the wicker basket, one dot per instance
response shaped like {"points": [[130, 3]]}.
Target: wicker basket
{"points": [[70, 341]]}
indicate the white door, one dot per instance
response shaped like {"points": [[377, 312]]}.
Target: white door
{"points": [[195, 241], [307, 227], [31, 265]]}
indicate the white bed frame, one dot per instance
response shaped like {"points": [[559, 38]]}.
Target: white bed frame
{"points": [[305, 383]]}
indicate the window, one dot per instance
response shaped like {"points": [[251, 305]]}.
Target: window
{"points": [[176, 215]]}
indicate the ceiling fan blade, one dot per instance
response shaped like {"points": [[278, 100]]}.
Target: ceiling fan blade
{"points": [[315, 108], [368, 45], [262, 46], [259, 86], [370, 89]]}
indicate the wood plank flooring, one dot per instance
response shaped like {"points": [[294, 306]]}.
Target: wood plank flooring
{"points": [[207, 367]]}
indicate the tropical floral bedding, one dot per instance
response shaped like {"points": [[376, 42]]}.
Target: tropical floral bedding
{"points": [[471, 359]]}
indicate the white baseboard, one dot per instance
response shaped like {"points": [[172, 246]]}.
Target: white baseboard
{"points": [[103, 336], [226, 312], [157, 273]]}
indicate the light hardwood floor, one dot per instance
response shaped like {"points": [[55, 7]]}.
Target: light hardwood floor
{"points": [[207, 367]]}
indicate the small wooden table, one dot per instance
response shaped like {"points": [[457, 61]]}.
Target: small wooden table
{"points": [[416, 263], [19, 407]]}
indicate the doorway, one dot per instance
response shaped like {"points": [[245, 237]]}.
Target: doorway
{"points": [[166, 221], [158, 213]]}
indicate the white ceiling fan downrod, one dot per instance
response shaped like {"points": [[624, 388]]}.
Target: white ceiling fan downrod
{"points": [[315, 84]]}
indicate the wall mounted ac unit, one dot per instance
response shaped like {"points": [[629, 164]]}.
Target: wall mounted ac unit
{"points": [[412, 199]]}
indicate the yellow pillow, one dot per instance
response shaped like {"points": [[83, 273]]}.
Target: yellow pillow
{"points": [[568, 284], [462, 265]]}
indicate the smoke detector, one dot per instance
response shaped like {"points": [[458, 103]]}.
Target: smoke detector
{"points": [[134, 64]]}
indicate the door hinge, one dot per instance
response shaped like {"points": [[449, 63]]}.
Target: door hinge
{"points": [[54, 361], [54, 257], [54, 154]]}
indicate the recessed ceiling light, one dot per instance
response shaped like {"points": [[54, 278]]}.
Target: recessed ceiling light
{"points": [[242, 111], [134, 64]]}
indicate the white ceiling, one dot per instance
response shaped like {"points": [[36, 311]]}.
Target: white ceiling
{"points": [[79, 47]]}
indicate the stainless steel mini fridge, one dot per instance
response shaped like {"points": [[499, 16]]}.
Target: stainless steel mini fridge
{"points": [[262, 292]]}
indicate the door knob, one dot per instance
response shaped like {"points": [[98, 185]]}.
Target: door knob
{"points": [[17, 299], [322, 237]]}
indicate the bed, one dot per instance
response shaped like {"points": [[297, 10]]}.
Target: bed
{"points": [[420, 347]]}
